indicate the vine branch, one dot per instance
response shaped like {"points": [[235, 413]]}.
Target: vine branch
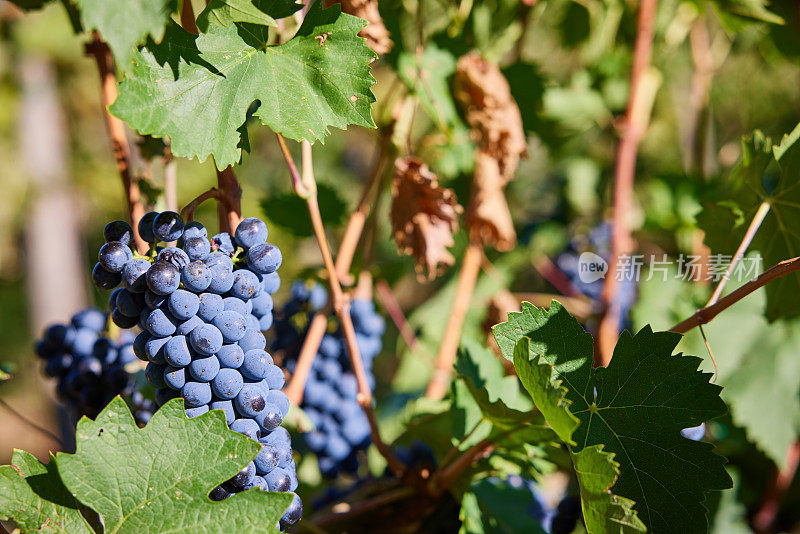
{"points": [[187, 213], [341, 301], [633, 129], [30, 423], [708, 313], [230, 211], [116, 131]]}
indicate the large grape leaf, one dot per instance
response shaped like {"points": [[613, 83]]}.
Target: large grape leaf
{"points": [[766, 173], [635, 407], [32, 495], [197, 89], [595, 469], [157, 478], [124, 24]]}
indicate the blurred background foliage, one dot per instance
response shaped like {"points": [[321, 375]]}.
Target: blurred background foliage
{"points": [[722, 69]]}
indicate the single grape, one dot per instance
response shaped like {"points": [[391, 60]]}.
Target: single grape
{"points": [[274, 377], [270, 418], [197, 410], [183, 305], [264, 258], [278, 480], [279, 399], [231, 356], [155, 374], [221, 279], [146, 227], [174, 377], [248, 427], [210, 305], [196, 276], [105, 279], [231, 324], [176, 351], [219, 494], [118, 231], [193, 229], [122, 320], [196, 393], [134, 275], [250, 400], [223, 243], [246, 284], [227, 384], [160, 323], [204, 369], [197, 248], [250, 231], [267, 459], [163, 278], [168, 226], [252, 340], [256, 364], [152, 300], [271, 282], [174, 256], [219, 258], [154, 348], [206, 339], [226, 406], [114, 255], [292, 514], [186, 327]]}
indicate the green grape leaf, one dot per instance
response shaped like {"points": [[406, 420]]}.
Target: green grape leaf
{"points": [[197, 89], [491, 507], [597, 471], [484, 378], [287, 210], [264, 12], [635, 407], [157, 478], [125, 24], [32, 495], [768, 174]]}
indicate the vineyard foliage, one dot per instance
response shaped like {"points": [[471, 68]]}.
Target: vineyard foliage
{"points": [[496, 124]]}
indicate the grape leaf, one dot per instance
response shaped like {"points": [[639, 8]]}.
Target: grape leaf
{"points": [[157, 478], [264, 12], [124, 24], [635, 407], [32, 495], [595, 469], [496, 507], [751, 183], [197, 89]]}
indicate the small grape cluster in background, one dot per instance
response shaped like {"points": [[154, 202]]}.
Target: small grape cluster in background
{"points": [[90, 367], [341, 428], [202, 306]]}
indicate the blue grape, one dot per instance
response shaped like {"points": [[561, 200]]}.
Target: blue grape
{"points": [[267, 459], [139, 345], [206, 339], [196, 276], [256, 364], [245, 284], [204, 369], [279, 398], [318, 297], [231, 324], [193, 229], [219, 258], [122, 320], [271, 282], [278, 480], [248, 427], [250, 232], [168, 226], [250, 400], [274, 377], [105, 279], [183, 305], [163, 278], [134, 275], [694, 433], [223, 243], [130, 304], [270, 417], [292, 514], [197, 248], [146, 227], [164, 395], [118, 231], [262, 304], [174, 377], [231, 356], [174, 256], [221, 279], [227, 384], [265, 322], [186, 327], [160, 323], [196, 393], [252, 340], [114, 255], [154, 348], [152, 300], [197, 410], [176, 351], [238, 305], [155, 374], [264, 258], [210, 305]]}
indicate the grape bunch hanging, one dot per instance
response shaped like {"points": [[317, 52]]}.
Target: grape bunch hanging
{"points": [[202, 306], [91, 368], [341, 428]]}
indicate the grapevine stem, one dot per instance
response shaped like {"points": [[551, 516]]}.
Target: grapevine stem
{"points": [[386, 295], [367, 505], [755, 224], [30, 423], [230, 211], [355, 224], [467, 277], [341, 302], [708, 313], [633, 129], [187, 213], [187, 17], [311, 343], [170, 181], [116, 131]]}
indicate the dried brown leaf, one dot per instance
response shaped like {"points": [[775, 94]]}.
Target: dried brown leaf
{"points": [[375, 31], [424, 216], [496, 121]]}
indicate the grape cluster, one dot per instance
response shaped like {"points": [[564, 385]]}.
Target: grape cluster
{"points": [[329, 396], [202, 306], [90, 367]]}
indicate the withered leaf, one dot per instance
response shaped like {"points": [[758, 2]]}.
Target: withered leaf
{"points": [[495, 118], [424, 216]]}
